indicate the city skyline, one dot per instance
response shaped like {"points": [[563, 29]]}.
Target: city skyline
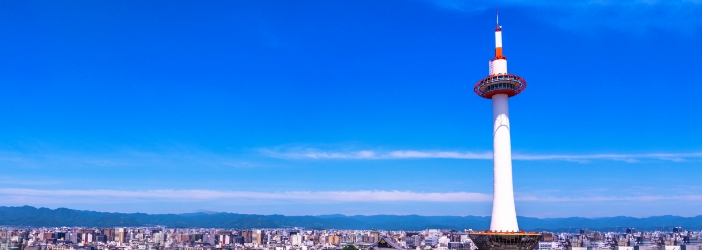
{"points": [[160, 237], [348, 107]]}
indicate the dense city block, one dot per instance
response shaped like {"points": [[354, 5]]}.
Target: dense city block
{"points": [[163, 238]]}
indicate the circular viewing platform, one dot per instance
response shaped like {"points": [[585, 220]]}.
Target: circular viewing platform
{"points": [[490, 240], [500, 84]]}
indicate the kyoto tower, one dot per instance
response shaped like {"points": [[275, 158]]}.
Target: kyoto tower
{"points": [[499, 86]]}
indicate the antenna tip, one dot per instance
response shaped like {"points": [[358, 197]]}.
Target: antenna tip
{"points": [[497, 18]]}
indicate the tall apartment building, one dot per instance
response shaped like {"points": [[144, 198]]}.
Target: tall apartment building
{"points": [[120, 235], [431, 241], [333, 239], [238, 240], [296, 239], [109, 234], [257, 237], [158, 237], [248, 236], [375, 235]]}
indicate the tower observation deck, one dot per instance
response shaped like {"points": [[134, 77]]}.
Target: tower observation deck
{"points": [[499, 86], [499, 81]]}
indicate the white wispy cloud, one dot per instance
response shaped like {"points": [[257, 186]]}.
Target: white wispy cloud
{"points": [[123, 158], [311, 153], [67, 196], [212, 195], [638, 198]]}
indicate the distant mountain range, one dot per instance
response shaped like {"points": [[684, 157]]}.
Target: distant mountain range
{"points": [[31, 216]]}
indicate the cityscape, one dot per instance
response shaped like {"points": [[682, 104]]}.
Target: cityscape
{"points": [[163, 238]]}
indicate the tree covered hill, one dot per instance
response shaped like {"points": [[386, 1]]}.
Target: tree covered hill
{"points": [[37, 217]]}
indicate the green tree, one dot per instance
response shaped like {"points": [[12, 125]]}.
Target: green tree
{"points": [[350, 247]]}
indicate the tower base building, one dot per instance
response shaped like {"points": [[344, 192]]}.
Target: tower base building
{"points": [[490, 240]]}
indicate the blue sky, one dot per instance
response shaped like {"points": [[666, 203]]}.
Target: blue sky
{"points": [[350, 107]]}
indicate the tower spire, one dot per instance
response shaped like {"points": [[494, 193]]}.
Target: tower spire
{"points": [[498, 42], [497, 18]]}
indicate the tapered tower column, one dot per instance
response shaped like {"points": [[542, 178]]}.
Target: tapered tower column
{"points": [[504, 214]]}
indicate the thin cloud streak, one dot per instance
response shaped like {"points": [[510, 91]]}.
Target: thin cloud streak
{"points": [[467, 155], [362, 196], [206, 195], [643, 198], [169, 158]]}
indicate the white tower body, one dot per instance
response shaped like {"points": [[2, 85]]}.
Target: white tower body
{"points": [[504, 214]]}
